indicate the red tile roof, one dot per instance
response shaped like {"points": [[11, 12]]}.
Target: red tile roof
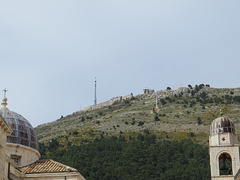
{"points": [[46, 166]]}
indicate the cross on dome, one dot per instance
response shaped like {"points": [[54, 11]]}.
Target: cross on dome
{"points": [[5, 92]]}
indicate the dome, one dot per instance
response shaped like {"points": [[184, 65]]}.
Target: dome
{"points": [[23, 132], [222, 125]]}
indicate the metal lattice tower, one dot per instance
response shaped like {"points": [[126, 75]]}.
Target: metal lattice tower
{"points": [[95, 92]]}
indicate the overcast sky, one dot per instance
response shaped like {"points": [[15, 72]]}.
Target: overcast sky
{"points": [[51, 50]]}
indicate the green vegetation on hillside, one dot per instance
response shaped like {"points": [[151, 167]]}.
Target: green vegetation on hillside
{"points": [[182, 111], [168, 142], [136, 158]]}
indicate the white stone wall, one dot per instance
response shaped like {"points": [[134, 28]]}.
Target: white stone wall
{"points": [[223, 139], [107, 103], [3, 163], [223, 178], [216, 151], [27, 154], [223, 143]]}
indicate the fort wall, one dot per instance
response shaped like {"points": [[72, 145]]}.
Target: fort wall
{"points": [[107, 103]]}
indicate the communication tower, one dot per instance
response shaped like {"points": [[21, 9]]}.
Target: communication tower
{"points": [[95, 92]]}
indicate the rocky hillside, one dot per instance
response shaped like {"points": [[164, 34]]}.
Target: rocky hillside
{"points": [[185, 113]]}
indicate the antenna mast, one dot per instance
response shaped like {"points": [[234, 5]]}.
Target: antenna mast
{"points": [[95, 99]]}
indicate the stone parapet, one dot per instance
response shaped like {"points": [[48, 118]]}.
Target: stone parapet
{"points": [[107, 103]]}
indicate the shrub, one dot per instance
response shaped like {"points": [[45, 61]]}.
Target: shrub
{"points": [[156, 118], [190, 86], [199, 121], [163, 101], [201, 86], [140, 123], [191, 134], [75, 133], [83, 119]]}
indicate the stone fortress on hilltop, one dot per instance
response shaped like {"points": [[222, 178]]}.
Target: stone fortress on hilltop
{"points": [[106, 103], [19, 155], [150, 92]]}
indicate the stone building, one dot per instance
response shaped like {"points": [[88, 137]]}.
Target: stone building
{"points": [[19, 155], [148, 91], [224, 150]]}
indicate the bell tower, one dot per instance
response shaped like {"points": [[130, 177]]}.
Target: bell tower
{"points": [[223, 149]]}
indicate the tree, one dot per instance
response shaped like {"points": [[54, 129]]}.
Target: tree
{"points": [[199, 121], [140, 123], [201, 86], [192, 103], [163, 101], [83, 119], [53, 144], [156, 118], [169, 88], [203, 95], [75, 133], [191, 134], [138, 158], [190, 86]]}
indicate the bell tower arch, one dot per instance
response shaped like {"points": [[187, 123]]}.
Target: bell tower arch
{"points": [[223, 149], [225, 164]]}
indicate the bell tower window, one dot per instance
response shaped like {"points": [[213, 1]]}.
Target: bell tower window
{"points": [[225, 164]]}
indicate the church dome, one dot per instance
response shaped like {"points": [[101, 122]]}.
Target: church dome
{"points": [[222, 125], [23, 132]]}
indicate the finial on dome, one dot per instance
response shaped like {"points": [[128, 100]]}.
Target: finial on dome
{"points": [[4, 100]]}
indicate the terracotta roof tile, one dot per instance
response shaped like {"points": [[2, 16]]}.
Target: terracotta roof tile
{"points": [[46, 166]]}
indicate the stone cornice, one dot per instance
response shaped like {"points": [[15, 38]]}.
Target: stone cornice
{"points": [[5, 126], [49, 175], [24, 147], [233, 145]]}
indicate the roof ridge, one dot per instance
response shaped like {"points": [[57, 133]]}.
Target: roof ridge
{"points": [[66, 166]]}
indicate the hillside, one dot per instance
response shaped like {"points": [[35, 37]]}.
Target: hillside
{"points": [[185, 113]]}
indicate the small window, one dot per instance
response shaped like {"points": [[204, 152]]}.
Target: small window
{"points": [[16, 159]]}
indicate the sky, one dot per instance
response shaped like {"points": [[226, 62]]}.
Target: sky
{"points": [[51, 50]]}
